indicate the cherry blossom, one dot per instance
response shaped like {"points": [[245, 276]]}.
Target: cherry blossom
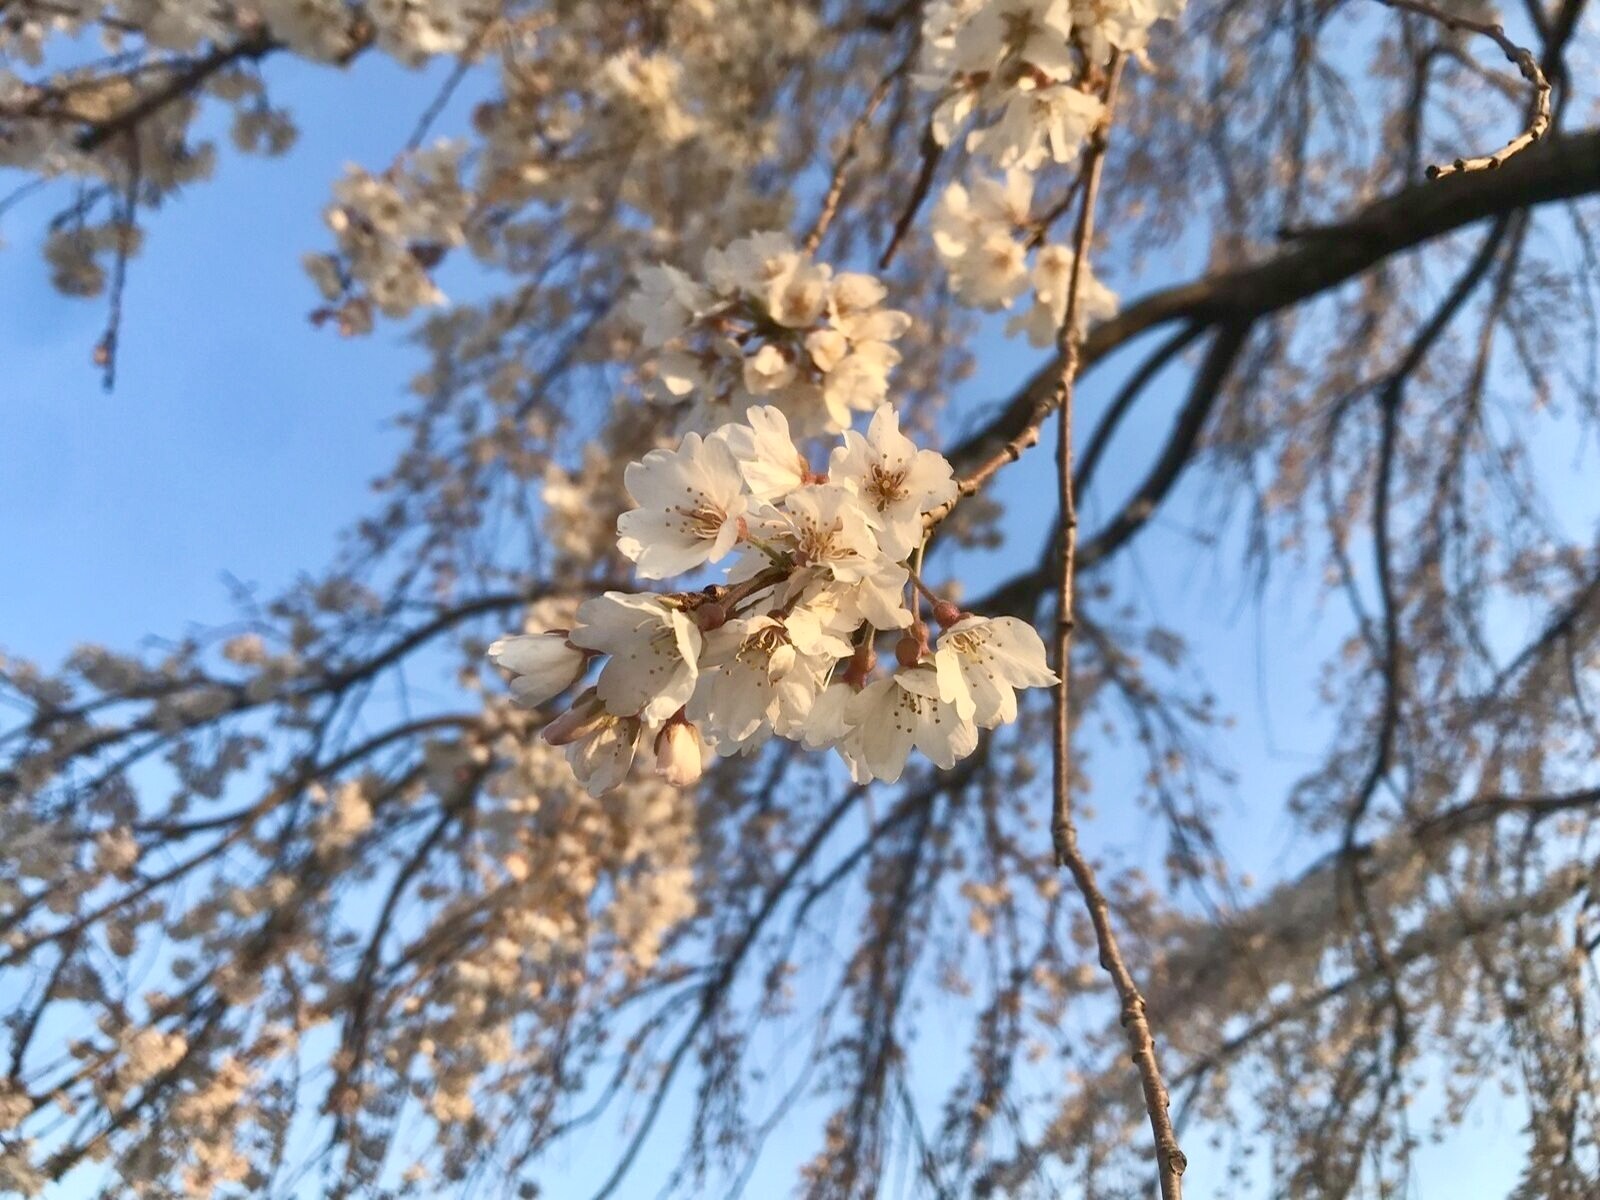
{"points": [[819, 569], [896, 482], [653, 649], [542, 665], [974, 232], [1052, 278], [690, 504], [771, 465], [892, 715], [981, 661], [680, 753], [767, 324]]}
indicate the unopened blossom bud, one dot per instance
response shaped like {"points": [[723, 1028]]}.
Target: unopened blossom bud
{"points": [[710, 615], [585, 715], [911, 649], [946, 613], [861, 664], [542, 665], [680, 754]]}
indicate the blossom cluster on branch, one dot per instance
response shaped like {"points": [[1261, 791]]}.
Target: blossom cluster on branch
{"points": [[975, 233], [1014, 69], [768, 325], [786, 647]]}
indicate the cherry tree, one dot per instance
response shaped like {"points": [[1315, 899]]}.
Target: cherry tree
{"points": [[754, 753]]}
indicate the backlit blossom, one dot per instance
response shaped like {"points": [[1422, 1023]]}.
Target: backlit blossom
{"points": [[903, 711], [1052, 280], [654, 650], [829, 528], [784, 648], [680, 753], [981, 661], [767, 324], [766, 454], [689, 504], [665, 305], [896, 482], [974, 232], [600, 745], [746, 660], [542, 665]]}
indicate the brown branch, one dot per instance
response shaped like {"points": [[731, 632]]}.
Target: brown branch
{"points": [[847, 155], [1521, 57], [932, 152], [1170, 1158], [1562, 167], [257, 46]]}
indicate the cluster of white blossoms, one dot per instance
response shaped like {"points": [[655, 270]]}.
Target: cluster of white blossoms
{"points": [[1013, 67], [392, 229], [819, 568], [981, 235], [1016, 71], [1010, 64], [767, 325]]}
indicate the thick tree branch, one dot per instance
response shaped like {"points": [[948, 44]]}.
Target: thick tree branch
{"points": [[1560, 168]]}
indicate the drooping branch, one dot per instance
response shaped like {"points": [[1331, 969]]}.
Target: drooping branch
{"points": [[1170, 1158]]}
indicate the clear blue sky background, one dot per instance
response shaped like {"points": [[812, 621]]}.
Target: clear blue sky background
{"points": [[241, 440]]}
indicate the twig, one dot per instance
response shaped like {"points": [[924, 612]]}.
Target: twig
{"points": [[847, 155], [1170, 1158], [105, 351], [1521, 57], [932, 151], [181, 83]]}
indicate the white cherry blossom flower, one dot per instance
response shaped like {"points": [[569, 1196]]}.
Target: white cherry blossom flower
{"points": [[974, 234], [768, 370], [665, 305], [689, 504], [768, 325], [766, 454], [602, 758], [1038, 123], [797, 295], [600, 745], [828, 724], [542, 665], [820, 624], [829, 529], [981, 661], [1052, 279], [1035, 31], [654, 649], [859, 382], [877, 598], [744, 663], [749, 264], [897, 482], [892, 715]]}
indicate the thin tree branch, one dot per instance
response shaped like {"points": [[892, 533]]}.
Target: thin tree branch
{"points": [[1521, 57], [1170, 1158]]}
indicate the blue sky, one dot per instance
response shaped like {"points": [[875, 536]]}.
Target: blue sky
{"points": [[240, 440]]}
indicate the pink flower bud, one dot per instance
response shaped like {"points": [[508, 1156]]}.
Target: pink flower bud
{"points": [[680, 755], [710, 615], [861, 664], [910, 649], [946, 613]]}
